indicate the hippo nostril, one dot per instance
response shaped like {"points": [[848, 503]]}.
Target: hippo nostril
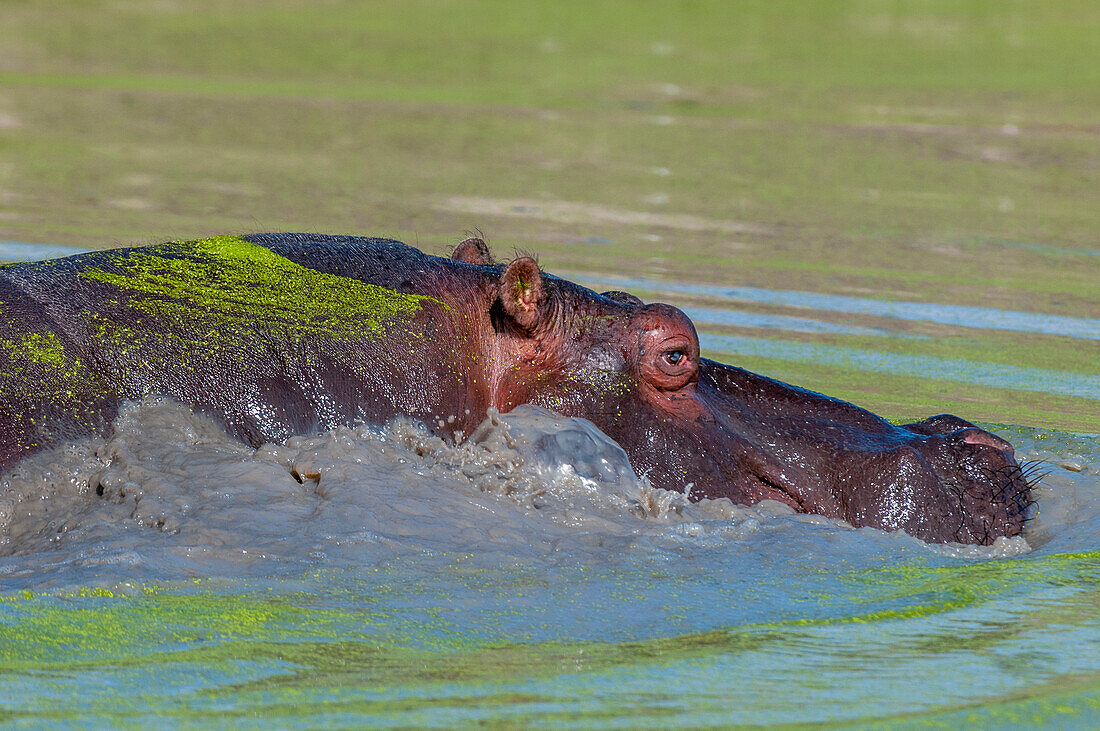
{"points": [[974, 435]]}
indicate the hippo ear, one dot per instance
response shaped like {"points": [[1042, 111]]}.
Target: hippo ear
{"points": [[522, 293], [473, 251]]}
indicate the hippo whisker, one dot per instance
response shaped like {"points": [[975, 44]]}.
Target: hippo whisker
{"points": [[995, 504], [1034, 471]]}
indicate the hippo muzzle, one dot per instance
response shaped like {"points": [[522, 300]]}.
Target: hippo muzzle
{"points": [[941, 480]]}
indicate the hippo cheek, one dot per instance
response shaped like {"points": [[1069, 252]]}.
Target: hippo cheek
{"points": [[727, 465], [898, 490], [675, 452]]}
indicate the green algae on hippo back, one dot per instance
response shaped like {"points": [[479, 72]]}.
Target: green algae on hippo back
{"points": [[47, 391], [221, 283], [277, 335], [41, 349], [224, 324]]}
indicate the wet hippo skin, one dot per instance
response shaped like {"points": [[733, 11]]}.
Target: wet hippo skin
{"points": [[283, 334]]}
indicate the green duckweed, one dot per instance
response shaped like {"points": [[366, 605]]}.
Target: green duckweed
{"points": [[226, 290]]}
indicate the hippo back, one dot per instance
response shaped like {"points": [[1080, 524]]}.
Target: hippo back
{"points": [[274, 334]]}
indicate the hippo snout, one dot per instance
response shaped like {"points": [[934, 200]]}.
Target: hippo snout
{"points": [[974, 435], [986, 491], [960, 487]]}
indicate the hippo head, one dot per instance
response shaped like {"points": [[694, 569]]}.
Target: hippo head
{"points": [[695, 425]]}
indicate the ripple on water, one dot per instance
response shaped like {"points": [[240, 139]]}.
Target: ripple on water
{"points": [[997, 375], [1086, 328], [20, 251]]}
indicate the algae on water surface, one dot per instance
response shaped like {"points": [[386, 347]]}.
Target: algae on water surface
{"points": [[377, 643]]}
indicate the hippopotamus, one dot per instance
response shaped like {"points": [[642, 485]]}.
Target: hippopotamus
{"points": [[282, 334]]}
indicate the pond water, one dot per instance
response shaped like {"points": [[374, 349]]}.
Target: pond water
{"points": [[890, 202], [379, 575]]}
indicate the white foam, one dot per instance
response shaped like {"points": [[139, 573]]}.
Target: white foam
{"points": [[171, 495]]}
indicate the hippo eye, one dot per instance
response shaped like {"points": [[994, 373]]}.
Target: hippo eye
{"points": [[667, 354], [673, 367]]}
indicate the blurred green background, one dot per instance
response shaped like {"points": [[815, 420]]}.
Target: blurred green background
{"points": [[941, 152]]}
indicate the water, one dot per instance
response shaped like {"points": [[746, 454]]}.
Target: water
{"points": [[892, 203], [1043, 380], [1085, 328], [381, 575], [22, 251]]}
